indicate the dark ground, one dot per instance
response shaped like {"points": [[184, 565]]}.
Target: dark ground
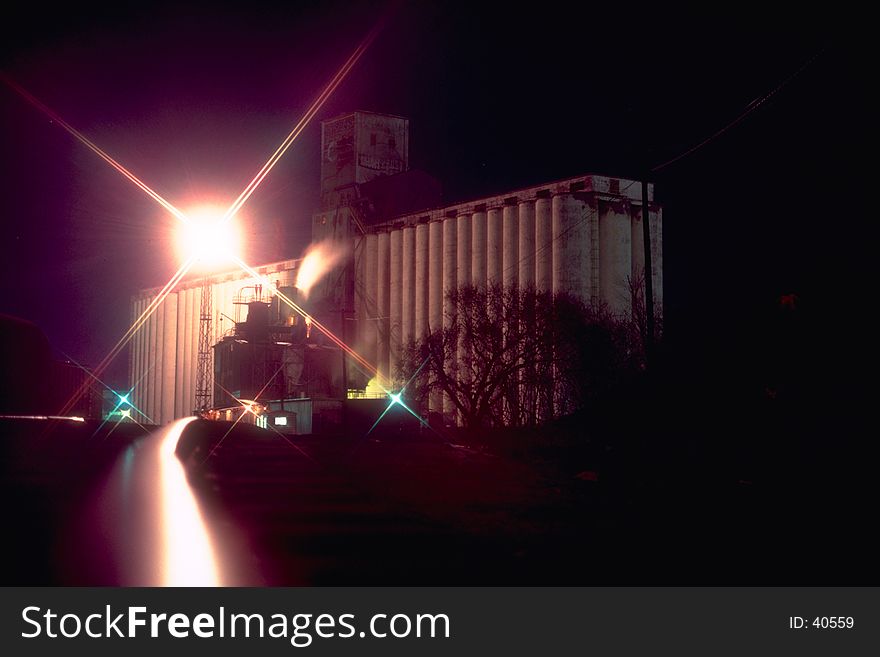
{"points": [[746, 457], [416, 510], [663, 485], [47, 472]]}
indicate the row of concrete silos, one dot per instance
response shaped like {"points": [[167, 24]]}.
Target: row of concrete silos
{"points": [[589, 245], [163, 354]]}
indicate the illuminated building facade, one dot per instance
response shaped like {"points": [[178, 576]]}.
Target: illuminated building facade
{"points": [[581, 235]]}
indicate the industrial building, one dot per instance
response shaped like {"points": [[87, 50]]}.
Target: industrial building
{"points": [[404, 250]]}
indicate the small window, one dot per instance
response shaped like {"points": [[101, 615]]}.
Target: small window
{"points": [[372, 139]]}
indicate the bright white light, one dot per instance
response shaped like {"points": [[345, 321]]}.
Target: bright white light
{"points": [[126, 412], [395, 398], [251, 406], [281, 420], [206, 237]]}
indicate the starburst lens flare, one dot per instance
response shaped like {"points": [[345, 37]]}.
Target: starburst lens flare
{"points": [[207, 238]]}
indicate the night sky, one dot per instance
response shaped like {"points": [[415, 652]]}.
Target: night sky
{"points": [[194, 97]]}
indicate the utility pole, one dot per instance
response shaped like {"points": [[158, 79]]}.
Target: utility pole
{"points": [[203, 373], [648, 273]]}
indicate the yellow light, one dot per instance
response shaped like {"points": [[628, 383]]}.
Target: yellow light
{"points": [[207, 238], [251, 406]]}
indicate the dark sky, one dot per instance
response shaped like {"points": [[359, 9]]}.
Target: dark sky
{"points": [[193, 97]]}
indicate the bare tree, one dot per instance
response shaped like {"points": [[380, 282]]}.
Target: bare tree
{"points": [[514, 357], [639, 318]]}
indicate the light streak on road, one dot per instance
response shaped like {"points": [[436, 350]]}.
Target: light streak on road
{"points": [[188, 555], [151, 525]]}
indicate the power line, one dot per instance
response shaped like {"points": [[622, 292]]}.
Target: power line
{"points": [[751, 107]]}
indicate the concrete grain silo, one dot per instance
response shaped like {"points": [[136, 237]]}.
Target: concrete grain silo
{"points": [[579, 236], [406, 250]]}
